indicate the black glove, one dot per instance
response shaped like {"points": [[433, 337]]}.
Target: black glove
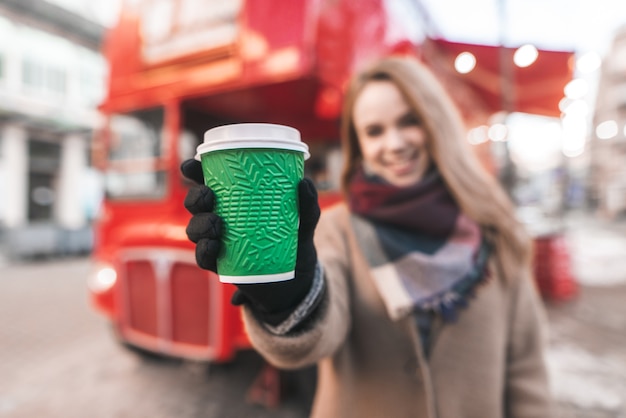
{"points": [[272, 302]]}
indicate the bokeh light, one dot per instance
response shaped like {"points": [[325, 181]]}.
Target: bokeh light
{"points": [[607, 129], [465, 62], [525, 55]]}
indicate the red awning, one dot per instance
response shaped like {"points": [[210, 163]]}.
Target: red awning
{"points": [[536, 89]]}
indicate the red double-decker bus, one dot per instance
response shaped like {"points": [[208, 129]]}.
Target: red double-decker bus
{"points": [[180, 67]]}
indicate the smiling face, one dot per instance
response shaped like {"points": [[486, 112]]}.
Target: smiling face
{"points": [[391, 137]]}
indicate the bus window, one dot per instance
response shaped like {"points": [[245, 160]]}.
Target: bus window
{"points": [[187, 144], [135, 169]]}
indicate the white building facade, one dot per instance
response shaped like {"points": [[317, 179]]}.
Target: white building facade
{"points": [[52, 77], [608, 147]]}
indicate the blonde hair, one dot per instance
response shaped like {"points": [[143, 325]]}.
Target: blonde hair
{"points": [[477, 193]]}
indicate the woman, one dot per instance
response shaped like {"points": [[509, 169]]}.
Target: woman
{"points": [[415, 298]]}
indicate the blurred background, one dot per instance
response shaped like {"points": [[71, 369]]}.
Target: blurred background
{"points": [[52, 78], [101, 101], [553, 159]]}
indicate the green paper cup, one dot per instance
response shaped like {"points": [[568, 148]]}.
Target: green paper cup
{"points": [[254, 170]]}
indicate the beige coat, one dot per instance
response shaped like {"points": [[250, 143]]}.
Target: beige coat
{"points": [[488, 364]]}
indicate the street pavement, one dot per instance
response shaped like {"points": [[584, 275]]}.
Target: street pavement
{"points": [[59, 359], [587, 352]]}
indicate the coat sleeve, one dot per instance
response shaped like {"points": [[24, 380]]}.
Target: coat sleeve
{"points": [[527, 386], [327, 329]]}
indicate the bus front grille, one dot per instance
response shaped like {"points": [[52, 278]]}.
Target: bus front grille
{"points": [[167, 302]]}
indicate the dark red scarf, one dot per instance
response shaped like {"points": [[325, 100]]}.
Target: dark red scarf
{"points": [[426, 207], [425, 255]]}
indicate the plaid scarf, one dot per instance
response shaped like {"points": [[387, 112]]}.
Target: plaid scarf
{"points": [[425, 255]]}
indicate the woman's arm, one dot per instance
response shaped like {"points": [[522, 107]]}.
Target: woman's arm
{"points": [[527, 386], [325, 330]]}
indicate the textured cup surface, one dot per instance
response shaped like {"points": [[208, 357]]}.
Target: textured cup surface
{"points": [[256, 196]]}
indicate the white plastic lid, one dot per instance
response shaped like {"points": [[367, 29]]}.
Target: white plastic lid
{"points": [[252, 135]]}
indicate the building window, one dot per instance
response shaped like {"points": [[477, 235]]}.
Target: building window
{"points": [[39, 78], [46, 60], [32, 74], [92, 70], [55, 81], [44, 160]]}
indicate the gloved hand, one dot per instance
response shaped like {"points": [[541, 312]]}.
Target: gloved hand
{"points": [[272, 302]]}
